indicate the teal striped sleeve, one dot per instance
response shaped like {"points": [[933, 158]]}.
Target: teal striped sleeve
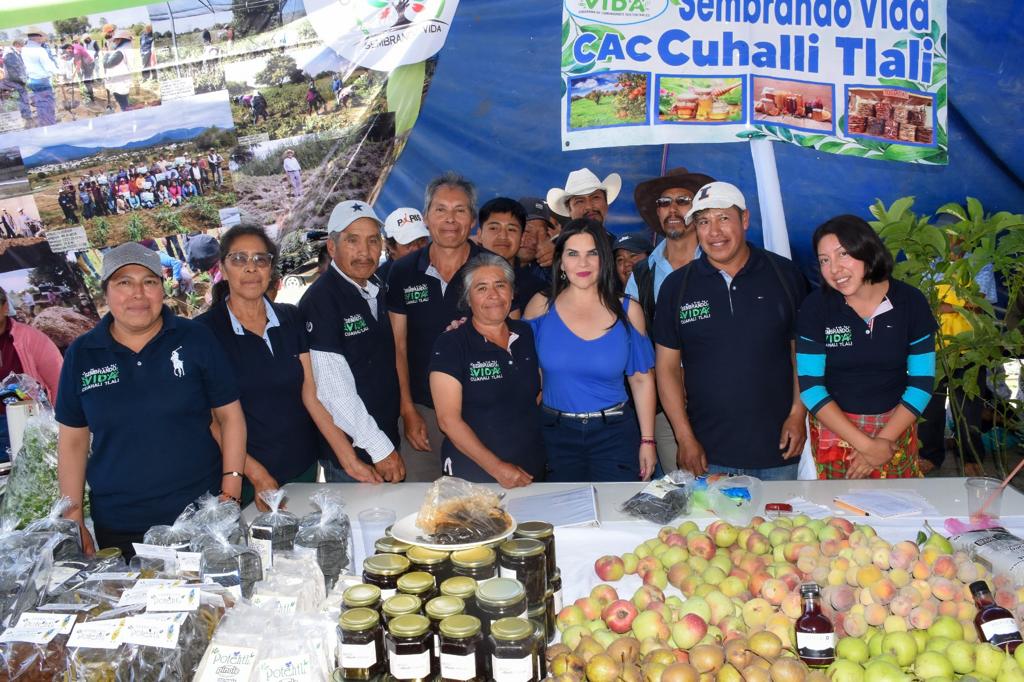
{"points": [[810, 370], [920, 374]]}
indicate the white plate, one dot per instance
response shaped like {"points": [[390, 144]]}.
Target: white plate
{"points": [[405, 530]]}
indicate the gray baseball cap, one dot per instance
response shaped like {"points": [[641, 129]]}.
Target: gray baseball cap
{"points": [[131, 253]]}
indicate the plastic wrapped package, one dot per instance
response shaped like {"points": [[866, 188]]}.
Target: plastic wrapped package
{"points": [[70, 573], [328, 533], [456, 511], [662, 500], [301, 644], [33, 649], [208, 511], [177, 536], [94, 652], [294, 584], [273, 530], [69, 545], [735, 499], [304, 566], [235, 644], [171, 645], [26, 561], [234, 566], [996, 548]]}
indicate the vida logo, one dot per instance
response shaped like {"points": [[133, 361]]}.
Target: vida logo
{"points": [[617, 5]]}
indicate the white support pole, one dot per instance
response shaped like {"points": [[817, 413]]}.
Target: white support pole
{"points": [[769, 194]]}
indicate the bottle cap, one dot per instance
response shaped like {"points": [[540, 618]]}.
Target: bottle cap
{"points": [[809, 589], [979, 586]]}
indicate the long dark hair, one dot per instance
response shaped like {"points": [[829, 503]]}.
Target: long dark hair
{"points": [[608, 288], [860, 241], [220, 290]]}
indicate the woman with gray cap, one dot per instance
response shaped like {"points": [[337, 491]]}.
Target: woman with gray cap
{"points": [[141, 386]]}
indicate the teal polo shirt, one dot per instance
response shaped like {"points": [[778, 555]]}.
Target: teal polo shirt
{"points": [[149, 415]]}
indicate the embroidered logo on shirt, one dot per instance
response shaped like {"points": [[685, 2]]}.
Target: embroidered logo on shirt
{"points": [[176, 363], [354, 324], [837, 337], [484, 371], [418, 293], [693, 311], [101, 376]]}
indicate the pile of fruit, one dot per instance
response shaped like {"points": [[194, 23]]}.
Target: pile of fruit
{"points": [[741, 597]]}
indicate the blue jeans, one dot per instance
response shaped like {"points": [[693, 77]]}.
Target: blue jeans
{"points": [[786, 472], [597, 449]]}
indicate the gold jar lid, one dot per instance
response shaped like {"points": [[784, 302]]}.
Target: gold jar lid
{"points": [[409, 625], [511, 629], [401, 604], [416, 582], [459, 586], [537, 530], [390, 545], [460, 626], [358, 619], [474, 558], [386, 564], [500, 592], [108, 553], [360, 595], [523, 547], [439, 608], [426, 557]]}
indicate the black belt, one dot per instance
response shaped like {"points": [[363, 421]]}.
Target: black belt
{"points": [[613, 411]]}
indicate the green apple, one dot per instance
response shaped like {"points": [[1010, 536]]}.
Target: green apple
{"points": [[920, 638], [1011, 674], [939, 644], [946, 626], [875, 644], [1018, 655], [883, 671], [932, 664], [901, 646], [961, 655], [853, 649], [988, 660], [845, 671]]}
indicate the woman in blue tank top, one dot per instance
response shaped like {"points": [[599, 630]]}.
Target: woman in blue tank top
{"points": [[588, 339]]}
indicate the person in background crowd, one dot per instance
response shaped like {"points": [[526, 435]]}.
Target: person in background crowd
{"points": [[588, 338], [258, 106], [723, 329], [866, 357], [140, 388], [423, 291], [146, 52], [207, 38], [119, 64], [216, 161], [66, 201], [39, 70], [15, 78], [7, 224], [484, 380], [585, 196], [536, 248], [25, 350], [315, 103], [502, 222], [294, 172], [404, 232], [630, 249], [82, 59], [336, 88], [352, 346], [269, 353]]}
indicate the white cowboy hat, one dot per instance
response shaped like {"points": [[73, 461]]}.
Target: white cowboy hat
{"points": [[580, 183]]}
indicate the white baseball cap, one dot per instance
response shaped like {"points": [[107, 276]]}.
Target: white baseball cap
{"points": [[347, 212], [405, 225], [716, 195]]}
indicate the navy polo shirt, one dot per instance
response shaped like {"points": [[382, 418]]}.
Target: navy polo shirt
{"points": [[499, 398], [339, 320], [280, 434], [866, 367], [734, 339], [149, 415], [428, 311]]}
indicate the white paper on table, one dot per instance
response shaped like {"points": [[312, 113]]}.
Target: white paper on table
{"points": [[575, 507], [889, 503], [811, 509]]}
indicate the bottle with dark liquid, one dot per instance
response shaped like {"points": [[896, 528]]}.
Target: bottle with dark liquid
{"points": [[995, 624], [815, 634]]}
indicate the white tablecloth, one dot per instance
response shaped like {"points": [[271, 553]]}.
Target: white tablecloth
{"points": [[578, 548]]}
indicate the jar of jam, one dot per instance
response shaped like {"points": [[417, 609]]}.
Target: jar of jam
{"points": [[463, 654], [384, 570], [500, 598], [523, 560], [408, 646], [390, 545], [538, 615], [549, 613], [437, 610], [362, 644], [465, 589], [432, 561], [418, 583], [400, 605], [361, 596], [545, 532], [555, 583], [513, 651], [479, 563]]}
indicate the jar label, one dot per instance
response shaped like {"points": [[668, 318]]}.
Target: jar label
{"points": [[454, 667], [437, 645], [359, 656], [816, 644], [558, 601], [512, 669], [507, 573], [409, 666], [385, 594], [226, 664], [1000, 626]]}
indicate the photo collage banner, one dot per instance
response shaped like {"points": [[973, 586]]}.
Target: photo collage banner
{"points": [[168, 123], [862, 78]]}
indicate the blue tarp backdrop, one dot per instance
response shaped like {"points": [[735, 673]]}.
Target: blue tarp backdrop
{"points": [[492, 114]]}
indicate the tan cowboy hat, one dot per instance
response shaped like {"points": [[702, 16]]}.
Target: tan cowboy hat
{"points": [[34, 31], [647, 192], [122, 34], [580, 183]]}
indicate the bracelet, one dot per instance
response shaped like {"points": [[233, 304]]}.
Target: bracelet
{"points": [[648, 441], [234, 474], [236, 500]]}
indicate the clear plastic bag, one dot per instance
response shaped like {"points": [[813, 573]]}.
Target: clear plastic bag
{"points": [[70, 538], [273, 530], [235, 643], [235, 567], [735, 499], [209, 511], [178, 536], [662, 500], [26, 561], [293, 585], [328, 534], [37, 655], [456, 511]]}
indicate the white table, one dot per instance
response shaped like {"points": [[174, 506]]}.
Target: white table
{"points": [[578, 548]]}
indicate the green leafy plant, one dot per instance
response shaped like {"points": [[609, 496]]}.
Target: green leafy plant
{"points": [[136, 228], [101, 230], [951, 248]]}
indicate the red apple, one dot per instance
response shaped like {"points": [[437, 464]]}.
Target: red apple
{"points": [[619, 615]]}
